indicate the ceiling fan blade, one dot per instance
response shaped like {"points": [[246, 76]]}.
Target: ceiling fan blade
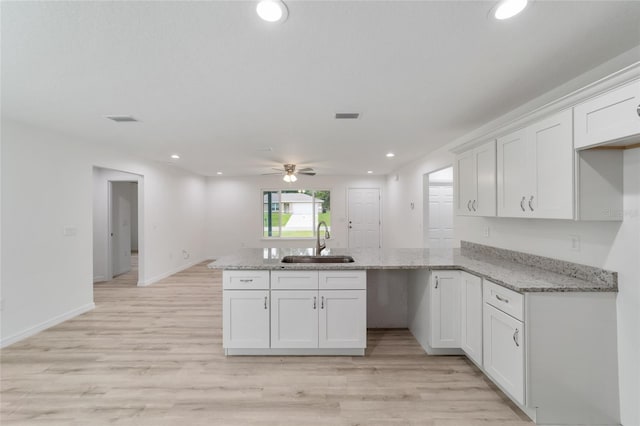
{"points": [[280, 170], [268, 174], [306, 169], [307, 173]]}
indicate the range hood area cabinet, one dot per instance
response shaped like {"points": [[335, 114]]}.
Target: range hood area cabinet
{"points": [[475, 181], [611, 118]]}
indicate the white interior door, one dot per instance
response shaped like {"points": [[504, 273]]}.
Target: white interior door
{"points": [[364, 218], [440, 217], [120, 227]]}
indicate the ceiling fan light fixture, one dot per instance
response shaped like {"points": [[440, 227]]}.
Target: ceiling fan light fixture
{"points": [[289, 178], [509, 8], [272, 11]]}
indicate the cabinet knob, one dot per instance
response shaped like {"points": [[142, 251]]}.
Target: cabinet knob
{"points": [[638, 110], [515, 337], [469, 205], [530, 201], [265, 302], [522, 204], [321, 302], [436, 281], [314, 302], [473, 205]]}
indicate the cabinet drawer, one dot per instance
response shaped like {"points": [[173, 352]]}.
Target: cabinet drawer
{"points": [[508, 301], [343, 280], [245, 280], [294, 280]]}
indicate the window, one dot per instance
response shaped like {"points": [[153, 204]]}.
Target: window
{"points": [[294, 213]]}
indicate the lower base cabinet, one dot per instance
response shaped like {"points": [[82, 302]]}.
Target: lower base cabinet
{"points": [[504, 344], [471, 316], [303, 311], [245, 319]]}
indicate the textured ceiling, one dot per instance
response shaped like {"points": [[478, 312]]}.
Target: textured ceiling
{"points": [[210, 81]]}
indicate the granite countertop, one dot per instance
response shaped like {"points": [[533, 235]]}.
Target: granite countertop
{"points": [[517, 271]]}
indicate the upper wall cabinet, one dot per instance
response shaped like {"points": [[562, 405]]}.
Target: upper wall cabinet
{"points": [[535, 170], [610, 117], [475, 172]]}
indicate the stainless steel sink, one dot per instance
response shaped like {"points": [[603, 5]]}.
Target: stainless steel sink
{"points": [[317, 259]]}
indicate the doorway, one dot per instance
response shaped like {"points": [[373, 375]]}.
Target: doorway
{"points": [[117, 227], [438, 209], [364, 218]]}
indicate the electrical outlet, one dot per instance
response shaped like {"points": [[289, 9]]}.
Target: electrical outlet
{"points": [[574, 241], [486, 231]]}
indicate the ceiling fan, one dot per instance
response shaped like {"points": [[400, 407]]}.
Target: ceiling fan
{"points": [[290, 172]]}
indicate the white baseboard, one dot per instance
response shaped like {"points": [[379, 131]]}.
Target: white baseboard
{"points": [[46, 324], [164, 275]]}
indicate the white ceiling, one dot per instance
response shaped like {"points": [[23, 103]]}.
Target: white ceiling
{"points": [[213, 83]]}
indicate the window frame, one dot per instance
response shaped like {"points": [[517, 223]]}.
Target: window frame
{"points": [[280, 210]]}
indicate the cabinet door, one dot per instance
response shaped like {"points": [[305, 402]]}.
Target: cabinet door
{"points": [[245, 322], [551, 153], [611, 116], [444, 290], [504, 341], [471, 316], [466, 183], [294, 319], [484, 203], [343, 319], [514, 170]]}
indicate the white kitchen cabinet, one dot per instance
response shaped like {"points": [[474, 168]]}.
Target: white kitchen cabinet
{"points": [[475, 181], [294, 319], [471, 316], [444, 294], [504, 338], [343, 319], [245, 320], [611, 116], [535, 166]]}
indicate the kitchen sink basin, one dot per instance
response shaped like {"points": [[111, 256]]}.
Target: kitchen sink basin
{"points": [[317, 259]]}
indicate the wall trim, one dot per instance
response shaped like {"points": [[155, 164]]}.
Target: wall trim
{"points": [[152, 280], [46, 324]]}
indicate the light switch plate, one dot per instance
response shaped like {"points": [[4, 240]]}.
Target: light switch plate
{"points": [[574, 242]]}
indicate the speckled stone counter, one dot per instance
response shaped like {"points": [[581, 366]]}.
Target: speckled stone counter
{"points": [[518, 271]]}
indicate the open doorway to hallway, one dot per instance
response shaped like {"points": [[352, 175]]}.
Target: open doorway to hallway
{"points": [[438, 209], [116, 229]]}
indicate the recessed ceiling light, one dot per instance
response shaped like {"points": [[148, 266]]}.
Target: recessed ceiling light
{"points": [[509, 8], [272, 10], [219, 173], [390, 154], [175, 156], [121, 118]]}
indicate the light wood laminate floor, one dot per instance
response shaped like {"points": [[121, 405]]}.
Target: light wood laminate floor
{"points": [[153, 356]]}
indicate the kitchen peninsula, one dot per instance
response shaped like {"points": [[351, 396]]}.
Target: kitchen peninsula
{"points": [[536, 326]]}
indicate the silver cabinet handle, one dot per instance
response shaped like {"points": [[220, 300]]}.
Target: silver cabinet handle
{"points": [[515, 337], [502, 299], [436, 281], [246, 281], [322, 302], [522, 204], [473, 205], [314, 302], [530, 201], [638, 110], [469, 205], [265, 302]]}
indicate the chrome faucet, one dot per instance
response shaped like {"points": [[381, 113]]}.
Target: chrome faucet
{"points": [[320, 247]]}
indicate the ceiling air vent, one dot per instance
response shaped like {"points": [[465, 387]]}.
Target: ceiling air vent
{"points": [[121, 118], [347, 115]]}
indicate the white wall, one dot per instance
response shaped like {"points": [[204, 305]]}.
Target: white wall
{"points": [[47, 185], [234, 209]]}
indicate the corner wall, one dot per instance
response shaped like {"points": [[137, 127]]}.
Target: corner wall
{"points": [[47, 187]]}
